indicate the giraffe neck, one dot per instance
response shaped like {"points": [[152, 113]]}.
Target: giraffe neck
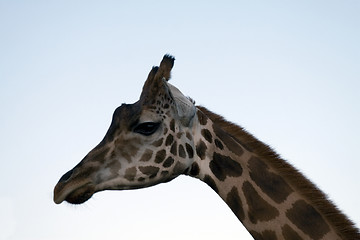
{"points": [[271, 198]]}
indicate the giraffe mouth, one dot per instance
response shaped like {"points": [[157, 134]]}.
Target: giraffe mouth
{"points": [[75, 193]]}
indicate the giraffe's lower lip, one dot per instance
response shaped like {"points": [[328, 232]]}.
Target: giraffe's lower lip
{"points": [[75, 193], [81, 195]]}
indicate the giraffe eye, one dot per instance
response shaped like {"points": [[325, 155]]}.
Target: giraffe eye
{"points": [[147, 128]]}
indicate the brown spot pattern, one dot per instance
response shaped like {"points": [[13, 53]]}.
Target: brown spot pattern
{"points": [[201, 149], [308, 219], [114, 166], [207, 135], [130, 173], [182, 151], [209, 181], [188, 136], [189, 150], [194, 170], [164, 173], [289, 233], [173, 149], [179, 168], [218, 144], [158, 142], [126, 152], [146, 155], [265, 235], [223, 166], [169, 140], [272, 184], [202, 117], [234, 202], [141, 179], [259, 209], [172, 125], [165, 130], [229, 141], [160, 156], [149, 171], [168, 162], [100, 155]]}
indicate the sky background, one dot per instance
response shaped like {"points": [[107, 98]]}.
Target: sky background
{"points": [[287, 71]]}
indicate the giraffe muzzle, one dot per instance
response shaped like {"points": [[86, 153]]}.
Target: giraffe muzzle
{"points": [[72, 189]]}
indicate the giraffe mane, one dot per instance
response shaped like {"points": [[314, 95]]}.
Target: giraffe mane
{"points": [[342, 224]]}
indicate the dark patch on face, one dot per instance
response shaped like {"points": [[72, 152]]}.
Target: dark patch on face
{"points": [[229, 142], [165, 130], [173, 149], [265, 235], [172, 125], [141, 179], [166, 106], [164, 173], [256, 235], [182, 151], [100, 156], [160, 156], [201, 149], [130, 173], [129, 151], [126, 155], [308, 219], [209, 181], [195, 169], [259, 209], [272, 184], [179, 135], [223, 166], [234, 202], [114, 166], [289, 233], [158, 142], [202, 117], [188, 136], [207, 135], [146, 155], [149, 171], [169, 140], [189, 150], [168, 162], [269, 235], [218, 144]]}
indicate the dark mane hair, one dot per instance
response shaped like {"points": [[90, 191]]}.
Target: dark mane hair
{"points": [[344, 227]]}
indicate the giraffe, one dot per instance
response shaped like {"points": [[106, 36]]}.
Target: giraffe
{"points": [[164, 134]]}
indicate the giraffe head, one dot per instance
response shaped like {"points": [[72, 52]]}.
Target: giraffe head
{"points": [[142, 145]]}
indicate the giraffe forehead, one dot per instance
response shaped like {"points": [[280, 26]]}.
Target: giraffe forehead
{"points": [[125, 117]]}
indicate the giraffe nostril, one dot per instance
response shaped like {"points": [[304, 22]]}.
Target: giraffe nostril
{"points": [[66, 176]]}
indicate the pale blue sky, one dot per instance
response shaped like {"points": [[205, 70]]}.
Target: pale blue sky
{"points": [[286, 71]]}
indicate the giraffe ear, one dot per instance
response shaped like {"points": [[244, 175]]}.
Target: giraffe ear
{"points": [[157, 85], [165, 67], [154, 82], [185, 108]]}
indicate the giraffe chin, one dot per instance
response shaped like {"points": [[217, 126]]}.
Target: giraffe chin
{"points": [[80, 195]]}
